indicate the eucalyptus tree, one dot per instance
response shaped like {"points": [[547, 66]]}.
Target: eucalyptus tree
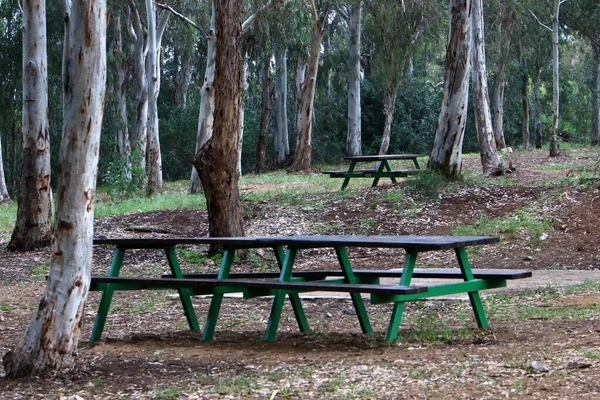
{"points": [[49, 343], [216, 161], [551, 9], [490, 161], [306, 75], [396, 28], [583, 16], [33, 228], [352, 14], [446, 155]]}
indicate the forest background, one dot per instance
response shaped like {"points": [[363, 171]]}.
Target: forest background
{"points": [[518, 49]]}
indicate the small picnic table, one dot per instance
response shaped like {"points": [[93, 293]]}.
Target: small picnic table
{"points": [[288, 282], [383, 169]]}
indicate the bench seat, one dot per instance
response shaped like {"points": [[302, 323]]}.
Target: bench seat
{"points": [[370, 173], [127, 283], [418, 273]]}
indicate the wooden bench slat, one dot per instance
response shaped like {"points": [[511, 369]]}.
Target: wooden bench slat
{"points": [[418, 273], [177, 283]]}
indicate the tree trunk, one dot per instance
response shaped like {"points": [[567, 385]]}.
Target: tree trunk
{"points": [[554, 148], [242, 112], [537, 105], [207, 98], [524, 99], [120, 72], [50, 340], [490, 162], [281, 142], [33, 228], [4, 196], [389, 110], [446, 155], [303, 151], [139, 139], [596, 98], [153, 71], [353, 138], [216, 161], [498, 124], [261, 147]]}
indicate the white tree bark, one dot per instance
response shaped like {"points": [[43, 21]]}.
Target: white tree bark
{"points": [[4, 196], [490, 161], [353, 137], [244, 86], [389, 110], [139, 139], [596, 98], [303, 151], [153, 73], [207, 98], [554, 148], [120, 72], [50, 340], [446, 155], [282, 143], [33, 228]]}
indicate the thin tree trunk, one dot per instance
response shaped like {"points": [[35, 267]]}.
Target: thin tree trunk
{"points": [[261, 147], [389, 110], [120, 77], [490, 162], [353, 137], [537, 105], [281, 142], [216, 161], [153, 72], [51, 338], [139, 139], [242, 113], [303, 151], [524, 99], [554, 148], [33, 228], [446, 155], [4, 196], [207, 98], [596, 98], [498, 123]]}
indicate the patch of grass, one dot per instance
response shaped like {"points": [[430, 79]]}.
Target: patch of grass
{"points": [[169, 393], [524, 220], [158, 202], [427, 327], [589, 353], [40, 270], [5, 308], [8, 217], [240, 385], [145, 304], [427, 183], [397, 200], [197, 257]]}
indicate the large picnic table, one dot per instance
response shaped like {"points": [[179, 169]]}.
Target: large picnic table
{"points": [[382, 169], [288, 282]]}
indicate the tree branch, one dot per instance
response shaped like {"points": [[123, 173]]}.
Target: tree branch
{"points": [[251, 19], [540, 22], [182, 17]]}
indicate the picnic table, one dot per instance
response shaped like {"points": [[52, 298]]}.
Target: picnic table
{"points": [[288, 282], [382, 169]]}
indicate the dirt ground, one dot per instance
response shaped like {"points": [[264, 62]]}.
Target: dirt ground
{"points": [[543, 343]]}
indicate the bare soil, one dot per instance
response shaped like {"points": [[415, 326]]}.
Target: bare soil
{"points": [[148, 352]]}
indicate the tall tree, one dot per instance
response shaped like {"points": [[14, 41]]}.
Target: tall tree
{"points": [[306, 94], [554, 29], [281, 139], [50, 340], [490, 161], [4, 196], [216, 161], [33, 228], [446, 155], [153, 74]]}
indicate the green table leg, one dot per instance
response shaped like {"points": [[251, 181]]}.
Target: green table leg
{"points": [[294, 297], [465, 267], [416, 163], [347, 178], [384, 165], [217, 299], [278, 300], [357, 301], [115, 268], [398, 310], [184, 294]]}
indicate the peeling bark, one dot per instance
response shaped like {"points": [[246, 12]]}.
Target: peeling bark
{"points": [[50, 340], [353, 136]]}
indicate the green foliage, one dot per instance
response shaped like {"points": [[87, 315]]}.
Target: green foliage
{"points": [[162, 201], [427, 183], [119, 186], [40, 270]]}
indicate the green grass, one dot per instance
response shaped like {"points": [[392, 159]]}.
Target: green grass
{"points": [[8, 217], [5, 308], [163, 201], [40, 270]]}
